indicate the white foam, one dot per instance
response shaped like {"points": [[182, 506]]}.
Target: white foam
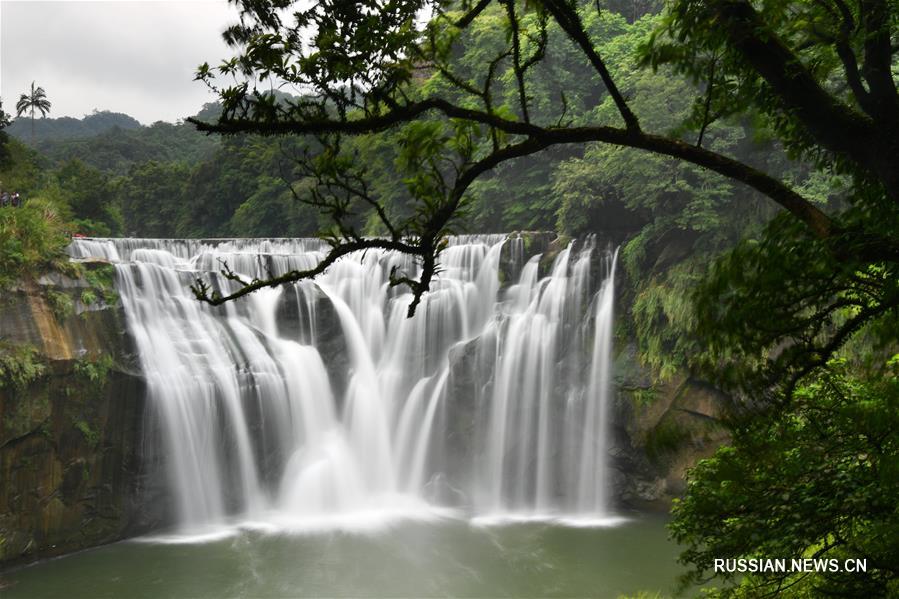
{"points": [[372, 520], [566, 520]]}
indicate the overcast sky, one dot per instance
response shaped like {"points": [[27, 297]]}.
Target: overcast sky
{"points": [[136, 57]]}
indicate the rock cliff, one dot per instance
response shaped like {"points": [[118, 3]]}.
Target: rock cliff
{"points": [[71, 418]]}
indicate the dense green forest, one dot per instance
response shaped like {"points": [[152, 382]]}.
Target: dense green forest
{"points": [[798, 326]]}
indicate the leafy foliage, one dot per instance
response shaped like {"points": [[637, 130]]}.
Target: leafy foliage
{"points": [[94, 371], [90, 435], [101, 278], [61, 304], [152, 195], [818, 479], [31, 239], [782, 305], [19, 365], [89, 193]]}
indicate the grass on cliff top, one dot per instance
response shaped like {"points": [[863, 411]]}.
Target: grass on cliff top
{"points": [[32, 239]]}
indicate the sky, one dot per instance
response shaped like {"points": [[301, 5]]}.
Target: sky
{"points": [[136, 57]]}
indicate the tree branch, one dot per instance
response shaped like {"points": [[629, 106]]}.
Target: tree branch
{"points": [[807, 212], [843, 43], [567, 18], [471, 15], [516, 59], [203, 292], [843, 334], [835, 125], [818, 222], [707, 107], [877, 68], [400, 113]]}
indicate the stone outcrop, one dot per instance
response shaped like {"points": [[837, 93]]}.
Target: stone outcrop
{"points": [[661, 430], [520, 247], [70, 427]]}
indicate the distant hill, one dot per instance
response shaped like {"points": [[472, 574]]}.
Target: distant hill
{"points": [[114, 142], [65, 127], [117, 150]]}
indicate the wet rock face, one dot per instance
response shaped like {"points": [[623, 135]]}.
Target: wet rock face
{"points": [[519, 248], [462, 432], [661, 430], [71, 473], [316, 323]]}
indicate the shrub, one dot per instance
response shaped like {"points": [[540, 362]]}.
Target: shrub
{"points": [[60, 303], [95, 371], [32, 238], [19, 365]]}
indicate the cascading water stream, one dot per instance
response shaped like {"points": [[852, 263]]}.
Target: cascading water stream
{"points": [[322, 399]]}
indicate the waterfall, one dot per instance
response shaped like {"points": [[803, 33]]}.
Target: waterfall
{"points": [[321, 399]]}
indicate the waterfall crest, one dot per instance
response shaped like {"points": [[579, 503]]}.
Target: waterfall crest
{"points": [[321, 399]]}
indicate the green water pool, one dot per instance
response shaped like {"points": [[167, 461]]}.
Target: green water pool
{"points": [[444, 558]]}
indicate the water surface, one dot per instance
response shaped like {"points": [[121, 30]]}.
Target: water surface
{"points": [[446, 558]]}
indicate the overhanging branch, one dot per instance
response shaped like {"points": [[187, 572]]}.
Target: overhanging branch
{"points": [[800, 207], [204, 293]]}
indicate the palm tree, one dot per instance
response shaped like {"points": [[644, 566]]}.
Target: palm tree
{"points": [[36, 100]]}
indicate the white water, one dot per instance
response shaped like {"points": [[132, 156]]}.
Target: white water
{"points": [[495, 401]]}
